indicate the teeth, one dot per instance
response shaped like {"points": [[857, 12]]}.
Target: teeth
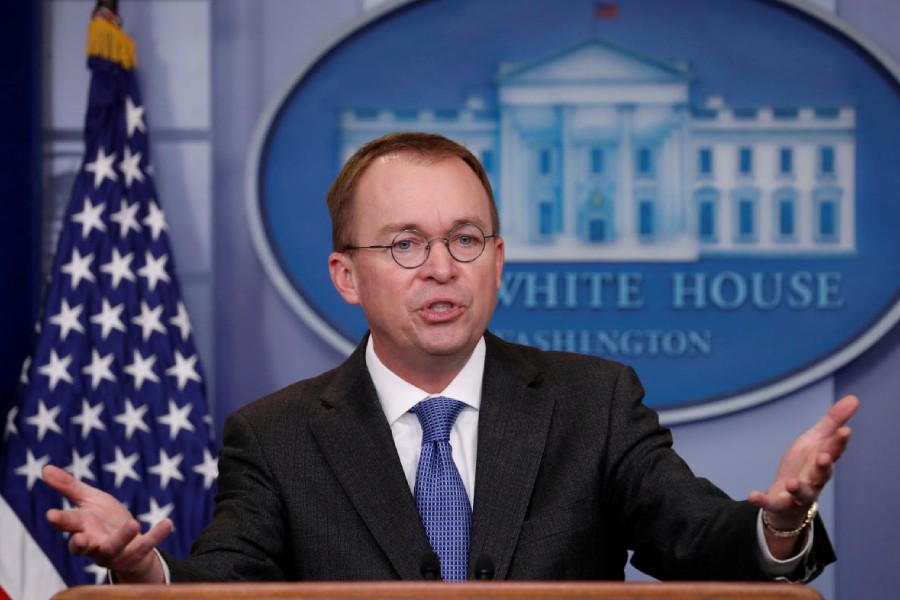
{"points": [[440, 306]]}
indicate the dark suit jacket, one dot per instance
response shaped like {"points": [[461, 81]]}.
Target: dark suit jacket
{"points": [[572, 470]]}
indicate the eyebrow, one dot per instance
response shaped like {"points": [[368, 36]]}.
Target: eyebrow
{"points": [[403, 226]]}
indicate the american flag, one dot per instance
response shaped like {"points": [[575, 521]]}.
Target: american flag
{"points": [[605, 10], [113, 391]]}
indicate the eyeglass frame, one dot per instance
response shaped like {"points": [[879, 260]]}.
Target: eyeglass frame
{"points": [[445, 239]]}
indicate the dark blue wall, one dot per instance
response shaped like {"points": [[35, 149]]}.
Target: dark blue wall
{"points": [[20, 122]]}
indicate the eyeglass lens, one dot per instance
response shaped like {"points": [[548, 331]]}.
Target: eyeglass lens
{"points": [[411, 248]]}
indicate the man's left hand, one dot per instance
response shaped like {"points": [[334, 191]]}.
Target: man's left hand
{"points": [[804, 470]]}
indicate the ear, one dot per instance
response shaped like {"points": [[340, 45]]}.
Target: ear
{"points": [[498, 258], [341, 267]]}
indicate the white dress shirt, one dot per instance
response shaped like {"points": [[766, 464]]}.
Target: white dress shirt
{"points": [[397, 397]]}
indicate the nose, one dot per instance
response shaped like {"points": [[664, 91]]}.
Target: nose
{"points": [[440, 266]]}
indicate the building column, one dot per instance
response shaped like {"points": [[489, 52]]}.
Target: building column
{"points": [[512, 202], [624, 206], [569, 175], [685, 220]]}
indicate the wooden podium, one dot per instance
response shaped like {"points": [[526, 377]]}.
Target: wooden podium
{"points": [[489, 590]]}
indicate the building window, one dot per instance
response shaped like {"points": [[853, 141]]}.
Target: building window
{"points": [[645, 161], [746, 214], [827, 215], [745, 161], [707, 200], [446, 114], [646, 217], [545, 161], [545, 218], [826, 160], [597, 230], [707, 220], [406, 114], [785, 161], [705, 161], [828, 220], [785, 200], [746, 218], [366, 114], [487, 160], [786, 218], [596, 161]]}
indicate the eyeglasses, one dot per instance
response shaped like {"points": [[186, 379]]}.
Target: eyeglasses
{"points": [[410, 248]]}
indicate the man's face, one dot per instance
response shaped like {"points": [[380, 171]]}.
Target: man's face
{"points": [[440, 309]]}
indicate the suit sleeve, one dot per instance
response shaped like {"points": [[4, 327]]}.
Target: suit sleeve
{"points": [[680, 526], [247, 537]]}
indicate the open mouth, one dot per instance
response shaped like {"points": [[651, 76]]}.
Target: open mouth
{"points": [[440, 307]]}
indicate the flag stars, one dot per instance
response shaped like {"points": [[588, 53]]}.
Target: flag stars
{"points": [[154, 270], [184, 369], [167, 468], [207, 418], [79, 267], [26, 367], [102, 167], [155, 220], [123, 467], [89, 419], [142, 369], [57, 370], [156, 513], [177, 419], [149, 320], [130, 166], [181, 321], [11, 428], [132, 419], [45, 420], [119, 267], [90, 218], [126, 218], [101, 574], [31, 470], [99, 369], [209, 468], [68, 319], [134, 117], [109, 318], [80, 467]]}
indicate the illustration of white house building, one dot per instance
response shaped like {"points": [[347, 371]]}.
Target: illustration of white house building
{"points": [[596, 152]]}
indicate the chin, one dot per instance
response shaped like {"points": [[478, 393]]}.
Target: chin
{"points": [[448, 345]]}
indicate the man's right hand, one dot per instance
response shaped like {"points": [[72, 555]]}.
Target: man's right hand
{"points": [[103, 529]]}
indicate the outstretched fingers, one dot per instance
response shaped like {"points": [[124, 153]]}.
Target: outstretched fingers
{"points": [[837, 443], [66, 521], [61, 481], [837, 416], [131, 556]]}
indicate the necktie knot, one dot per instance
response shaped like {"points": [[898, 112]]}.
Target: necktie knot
{"points": [[437, 415]]}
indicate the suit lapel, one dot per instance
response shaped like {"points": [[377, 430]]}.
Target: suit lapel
{"points": [[512, 429], [356, 441]]}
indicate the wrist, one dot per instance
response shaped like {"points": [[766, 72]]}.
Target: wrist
{"points": [[149, 570], [779, 531]]}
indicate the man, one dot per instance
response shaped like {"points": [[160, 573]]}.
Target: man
{"points": [[551, 466]]}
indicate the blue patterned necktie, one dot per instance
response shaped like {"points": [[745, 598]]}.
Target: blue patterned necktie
{"points": [[440, 495]]}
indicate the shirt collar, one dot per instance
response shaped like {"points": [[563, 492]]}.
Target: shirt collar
{"points": [[398, 396]]}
